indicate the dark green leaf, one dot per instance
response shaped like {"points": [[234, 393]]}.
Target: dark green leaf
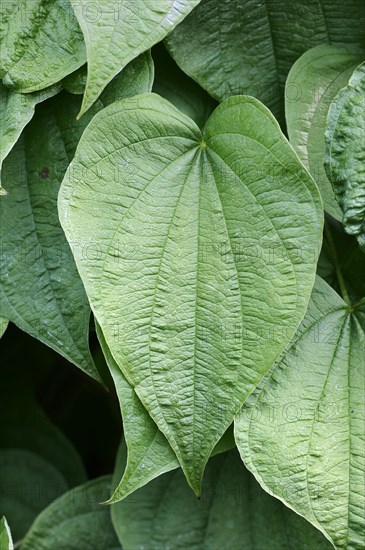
{"points": [[76, 521], [233, 513], [235, 47]]}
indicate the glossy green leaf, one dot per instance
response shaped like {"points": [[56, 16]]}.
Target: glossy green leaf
{"points": [[40, 42], [313, 82], [172, 84], [345, 153], [235, 47], [16, 110], [149, 453], [6, 542], [117, 32], [302, 431], [25, 426], [234, 512], [28, 483], [76, 521], [181, 257], [41, 290]]}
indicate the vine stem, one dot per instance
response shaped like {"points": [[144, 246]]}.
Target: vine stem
{"points": [[336, 262]]}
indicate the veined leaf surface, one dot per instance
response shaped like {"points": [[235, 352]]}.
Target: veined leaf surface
{"points": [[40, 42], [149, 452], [117, 32], [345, 153], [312, 84], [41, 290], [302, 432], [182, 244], [234, 512], [235, 47]]}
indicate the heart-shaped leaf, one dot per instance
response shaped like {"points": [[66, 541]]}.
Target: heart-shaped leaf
{"points": [[234, 512], [40, 42], [235, 47], [345, 153], [302, 432], [117, 32], [75, 521], [312, 83], [198, 254]]}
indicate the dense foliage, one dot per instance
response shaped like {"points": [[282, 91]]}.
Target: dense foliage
{"points": [[182, 206]]}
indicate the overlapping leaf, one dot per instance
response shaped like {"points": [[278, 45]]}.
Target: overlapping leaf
{"points": [[40, 42], [302, 431], [313, 82], [234, 512], [117, 32], [181, 281], [41, 290], [16, 110], [345, 153], [171, 83], [76, 521], [235, 47], [149, 453]]}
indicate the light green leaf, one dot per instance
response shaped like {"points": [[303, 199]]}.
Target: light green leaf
{"points": [[345, 153], [181, 281], [28, 483], [76, 521], [117, 32], [41, 290], [172, 84], [302, 432], [149, 453], [313, 82], [3, 325], [6, 542], [16, 110], [235, 47], [234, 512], [40, 42]]}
